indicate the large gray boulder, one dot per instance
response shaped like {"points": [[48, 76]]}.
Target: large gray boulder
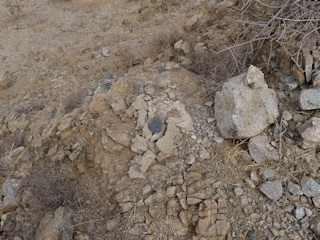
{"points": [[245, 106]]}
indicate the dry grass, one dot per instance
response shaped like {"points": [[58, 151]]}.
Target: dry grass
{"points": [[50, 189], [95, 207]]}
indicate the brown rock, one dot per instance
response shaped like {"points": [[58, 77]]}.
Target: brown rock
{"points": [[56, 226], [206, 226], [98, 104]]}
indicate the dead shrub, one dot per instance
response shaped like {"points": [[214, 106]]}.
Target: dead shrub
{"points": [[74, 100], [287, 24], [50, 189], [95, 207]]}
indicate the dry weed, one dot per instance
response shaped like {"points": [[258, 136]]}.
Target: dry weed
{"points": [[95, 206], [289, 24], [50, 189]]}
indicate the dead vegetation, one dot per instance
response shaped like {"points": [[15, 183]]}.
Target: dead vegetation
{"points": [[289, 24]]}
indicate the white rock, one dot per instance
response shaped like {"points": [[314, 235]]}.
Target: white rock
{"points": [[242, 111], [255, 78]]}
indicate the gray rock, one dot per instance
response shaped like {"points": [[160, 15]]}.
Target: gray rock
{"points": [[309, 99], [238, 191], [261, 150], [316, 201], [310, 132], [272, 189], [299, 212], [10, 189], [244, 111], [289, 82], [105, 52], [294, 189], [109, 75], [267, 173], [310, 187]]}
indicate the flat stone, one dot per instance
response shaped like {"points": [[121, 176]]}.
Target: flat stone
{"points": [[206, 226], [141, 165], [208, 207], [299, 212], [272, 189], [294, 189], [261, 150], [267, 173], [139, 103], [139, 144], [178, 228], [192, 201], [166, 144], [310, 187], [185, 121], [142, 115]]}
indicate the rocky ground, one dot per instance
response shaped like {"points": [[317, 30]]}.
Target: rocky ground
{"points": [[81, 84]]}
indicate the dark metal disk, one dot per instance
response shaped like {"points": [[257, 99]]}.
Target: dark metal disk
{"points": [[155, 125]]}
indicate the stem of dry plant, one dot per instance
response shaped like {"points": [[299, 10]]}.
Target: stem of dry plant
{"points": [[290, 24]]}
